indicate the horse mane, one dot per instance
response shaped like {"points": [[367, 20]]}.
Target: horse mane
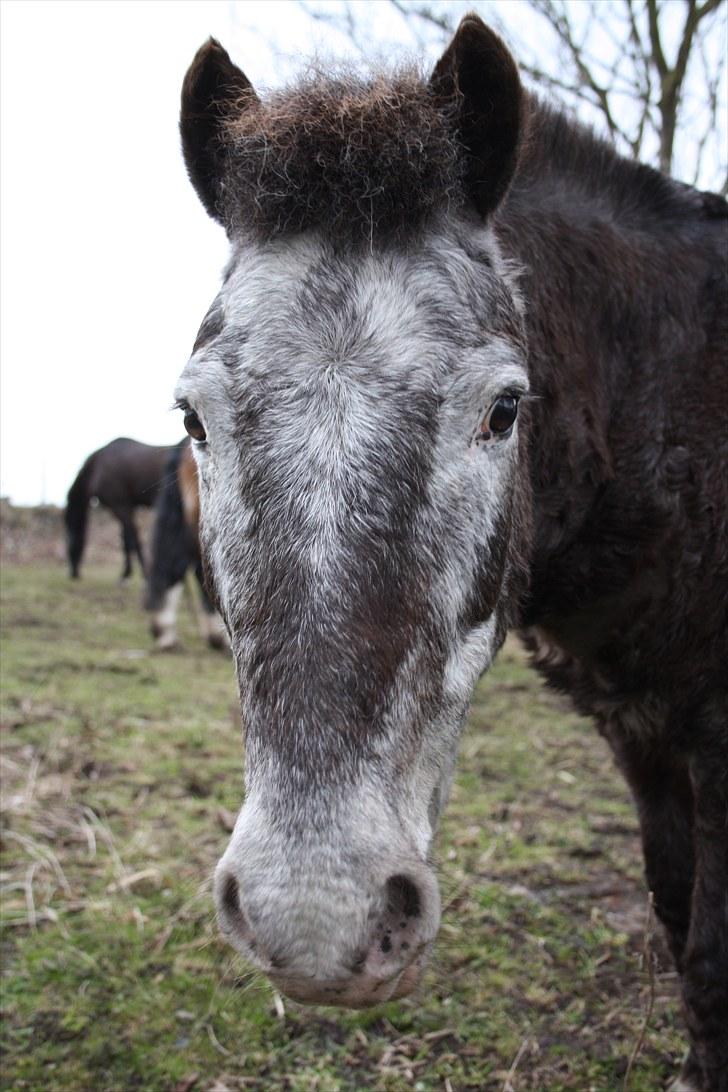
{"points": [[172, 548], [375, 157], [360, 157], [558, 147]]}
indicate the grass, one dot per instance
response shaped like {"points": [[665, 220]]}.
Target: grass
{"points": [[121, 777]]}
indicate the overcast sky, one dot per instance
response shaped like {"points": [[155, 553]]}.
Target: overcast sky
{"points": [[109, 261]]}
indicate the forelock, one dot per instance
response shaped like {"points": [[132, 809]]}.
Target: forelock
{"points": [[364, 159]]}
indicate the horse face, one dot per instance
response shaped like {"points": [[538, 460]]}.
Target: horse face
{"points": [[362, 504], [357, 520]]}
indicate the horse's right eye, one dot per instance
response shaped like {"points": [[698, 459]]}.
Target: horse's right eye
{"points": [[194, 426]]}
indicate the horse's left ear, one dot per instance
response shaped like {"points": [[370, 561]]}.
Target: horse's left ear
{"points": [[213, 90], [478, 77]]}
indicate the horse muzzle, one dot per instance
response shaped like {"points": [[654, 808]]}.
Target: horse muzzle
{"points": [[330, 937]]}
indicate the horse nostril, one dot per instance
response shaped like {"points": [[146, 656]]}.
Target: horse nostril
{"points": [[229, 895], [405, 924], [232, 918], [403, 897]]}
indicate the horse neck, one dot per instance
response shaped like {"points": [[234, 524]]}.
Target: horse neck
{"points": [[597, 237], [613, 257]]}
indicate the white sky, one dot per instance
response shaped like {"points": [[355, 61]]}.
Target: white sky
{"points": [[109, 262]]}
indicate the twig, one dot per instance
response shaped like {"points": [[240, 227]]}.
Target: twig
{"points": [[29, 900], [216, 1042], [131, 880], [507, 1085], [30, 783], [649, 959], [107, 837], [42, 854]]}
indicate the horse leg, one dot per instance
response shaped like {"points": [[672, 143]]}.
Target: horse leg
{"points": [[137, 547], [705, 961], [663, 793], [164, 619], [683, 812], [132, 543], [129, 541]]}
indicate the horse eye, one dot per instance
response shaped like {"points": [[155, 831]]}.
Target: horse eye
{"points": [[501, 416], [194, 426]]}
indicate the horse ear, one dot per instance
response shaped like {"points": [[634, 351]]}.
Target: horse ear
{"points": [[478, 77], [213, 89]]}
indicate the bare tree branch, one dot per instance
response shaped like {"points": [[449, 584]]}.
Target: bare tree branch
{"points": [[426, 13], [621, 64]]}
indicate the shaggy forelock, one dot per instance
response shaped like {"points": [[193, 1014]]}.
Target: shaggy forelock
{"points": [[359, 158]]}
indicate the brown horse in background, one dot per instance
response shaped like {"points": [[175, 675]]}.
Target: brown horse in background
{"points": [[122, 476]]}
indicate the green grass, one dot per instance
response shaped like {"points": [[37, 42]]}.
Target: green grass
{"points": [[122, 770]]}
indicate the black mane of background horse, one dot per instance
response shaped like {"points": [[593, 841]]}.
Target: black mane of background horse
{"points": [[122, 476], [175, 550]]}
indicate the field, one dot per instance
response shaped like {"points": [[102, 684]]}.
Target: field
{"points": [[121, 777]]}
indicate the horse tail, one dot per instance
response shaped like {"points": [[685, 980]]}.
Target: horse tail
{"points": [[171, 543], [76, 515]]}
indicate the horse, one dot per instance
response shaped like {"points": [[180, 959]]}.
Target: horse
{"points": [[122, 476], [465, 373], [175, 550]]}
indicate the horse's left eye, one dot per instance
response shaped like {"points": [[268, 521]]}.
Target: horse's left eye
{"points": [[194, 426], [501, 416]]}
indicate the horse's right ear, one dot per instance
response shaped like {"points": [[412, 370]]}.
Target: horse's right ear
{"points": [[477, 80], [213, 89]]}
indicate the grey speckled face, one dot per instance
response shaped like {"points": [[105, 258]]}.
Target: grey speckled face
{"points": [[359, 490]]}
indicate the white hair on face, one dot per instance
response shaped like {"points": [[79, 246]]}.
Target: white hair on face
{"points": [[341, 400]]}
